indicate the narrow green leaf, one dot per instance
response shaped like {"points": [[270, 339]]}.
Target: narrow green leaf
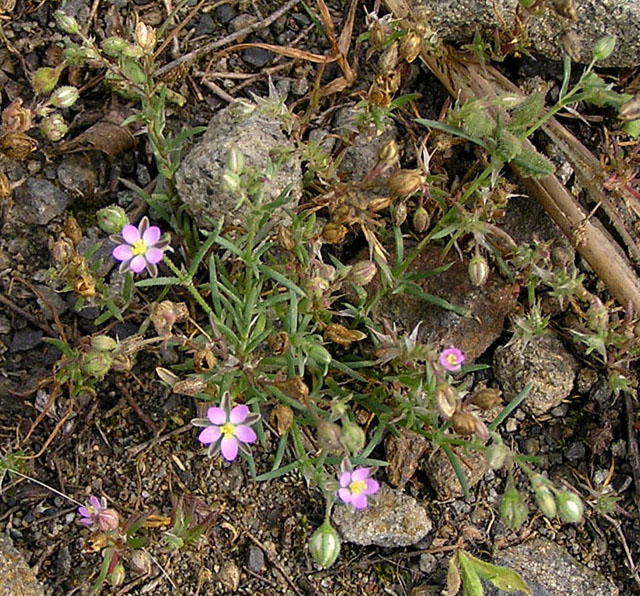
{"points": [[457, 468], [471, 584], [502, 578]]}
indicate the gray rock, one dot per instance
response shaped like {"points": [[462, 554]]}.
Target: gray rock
{"points": [[362, 153], [38, 201], [458, 20], [443, 477], [255, 559], [550, 571], [16, 577], [542, 361], [257, 57], [77, 174], [261, 140], [25, 339], [391, 519], [54, 300]]}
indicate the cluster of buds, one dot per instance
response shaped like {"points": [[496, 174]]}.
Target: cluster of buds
{"points": [[99, 360]]}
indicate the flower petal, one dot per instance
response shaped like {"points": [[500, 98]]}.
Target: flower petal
{"points": [[151, 235], [245, 434], [238, 414], [372, 486], [229, 448], [344, 494], [86, 521], [130, 234], [345, 479], [122, 252], [359, 501], [209, 435], [138, 263], [96, 503], [217, 415], [153, 255], [359, 474], [84, 512]]}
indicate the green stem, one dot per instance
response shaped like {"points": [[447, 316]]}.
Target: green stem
{"points": [[187, 282]]}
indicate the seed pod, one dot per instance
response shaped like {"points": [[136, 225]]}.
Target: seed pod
{"points": [[294, 387], [421, 220], [97, 363], [64, 97], [405, 182], [389, 58], [328, 436], [389, 152], [279, 343], [377, 35], [353, 437], [496, 455], [145, 37], [85, 286], [478, 270], [334, 233], [103, 343], [631, 109], [570, 507], [362, 273], [410, 46], [604, 47], [114, 46], [399, 214], [5, 186], [117, 575], [112, 219], [191, 386], [324, 545], [17, 145], [15, 118], [378, 203], [447, 400], [285, 239], [513, 509], [140, 562], [72, 229], [65, 22], [340, 335], [204, 360], [546, 501], [571, 44], [54, 127], [281, 418], [44, 80], [566, 8], [464, 423], [487, 398]]}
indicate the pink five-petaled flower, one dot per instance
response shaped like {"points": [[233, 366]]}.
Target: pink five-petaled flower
{"points": [[96, 512], [140, 248], [227, 429], [356, 486], [451, 359]]}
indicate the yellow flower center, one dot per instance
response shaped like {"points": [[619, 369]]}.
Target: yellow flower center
{"points": [[452, 359], [138, 247], [228, 430], [357, 487], [91, 510]]}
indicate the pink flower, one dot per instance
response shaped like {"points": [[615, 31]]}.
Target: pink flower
{"points": [[96, 512], [451, 359], [140, 248], [356, 486], [227, 430]]}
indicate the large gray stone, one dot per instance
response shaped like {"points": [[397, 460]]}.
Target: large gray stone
{"points": [[458, 20], [260, 139], [550, 571], [16, 577], [38, 201]]}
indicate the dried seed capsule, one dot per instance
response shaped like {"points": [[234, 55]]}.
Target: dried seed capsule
{"points": [[405, 182], [389, 58], [421, 220], [410, 46], [389, 152], [487, 398], [464, 423], [363, 272], [334, 233], [399, 214], [340, 335]]}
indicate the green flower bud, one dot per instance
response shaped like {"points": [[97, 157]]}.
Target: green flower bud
{"points": [[546, 501], [103, 343], [235, 161], [112, 219], [570, 507], [65, 97], [496, 455], [604, 47], [114, 46], [65, 22], [117, 576], [97, 363], [513, 509], [54, 127], [319, 355], [325, 545], [231, 181], [352, 436], [45, 80], [478, 270]]}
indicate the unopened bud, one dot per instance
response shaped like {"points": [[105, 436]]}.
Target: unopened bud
{"points": [[362, 273], [316, 287], [421, 220], [410, 46], [114, 46], [319, 355], [103, 343], [405, 182], [45, 80], [112, 219], [54, 127], [353, 437], [97, 363], [65, 22], [546, 501], [235, 161], [64, 97], [329, 437], [496, 455], [604, 47], [570, 507], [324, 545], [513, 509], [117, 576], [231, 181]]}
